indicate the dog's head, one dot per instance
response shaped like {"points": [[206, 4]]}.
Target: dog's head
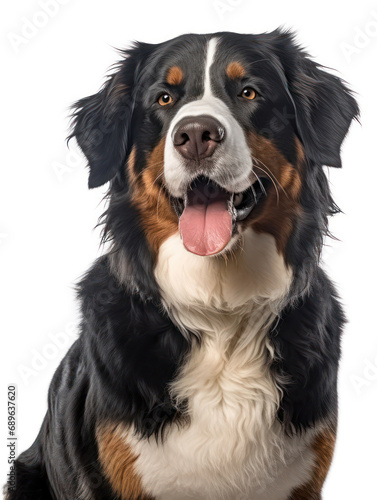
{"points": [[210, 134]]}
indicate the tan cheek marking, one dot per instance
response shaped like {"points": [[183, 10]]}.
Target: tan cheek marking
{"points": [[157, 215], [174, 76], [323, 448], [235, 70], [282, 206], [118, 462]]}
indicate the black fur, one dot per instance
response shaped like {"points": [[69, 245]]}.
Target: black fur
{"points": [[307, 343], [129, 349]]}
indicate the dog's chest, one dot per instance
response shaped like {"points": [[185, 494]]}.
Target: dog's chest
{"points": [[232, 445]]}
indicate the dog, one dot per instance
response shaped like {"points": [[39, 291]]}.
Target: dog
{"points": [[206, 365]]}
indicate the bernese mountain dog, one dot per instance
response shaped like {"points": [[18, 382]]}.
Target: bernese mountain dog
{"points": [[206, 366]]}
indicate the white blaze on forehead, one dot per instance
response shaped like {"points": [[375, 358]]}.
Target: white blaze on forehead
{"points": [[211, 51]]}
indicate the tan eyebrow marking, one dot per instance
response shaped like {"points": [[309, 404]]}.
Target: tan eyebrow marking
{"points": [[174, 76], [235, 70]]}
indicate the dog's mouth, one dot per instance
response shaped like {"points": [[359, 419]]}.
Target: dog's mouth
{"points": [[208, 213]]}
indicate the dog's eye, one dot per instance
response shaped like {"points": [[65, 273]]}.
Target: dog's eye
{"points": [[165, 99], [249, 93]]}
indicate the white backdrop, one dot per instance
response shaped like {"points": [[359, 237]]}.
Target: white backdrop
{"points": [[56, 51]]}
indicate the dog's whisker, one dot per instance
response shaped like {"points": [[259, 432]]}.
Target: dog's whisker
{"points": [[274, 182], [271, 173], [260, 183], [158, 178], [158, 199]]}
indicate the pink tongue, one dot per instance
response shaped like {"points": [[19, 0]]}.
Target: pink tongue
{"points": [[206, 224]]}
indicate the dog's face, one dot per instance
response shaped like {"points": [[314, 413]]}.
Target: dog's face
{"points": [[210, 134], [210, 116]]}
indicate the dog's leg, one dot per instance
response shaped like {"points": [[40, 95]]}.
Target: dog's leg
{"points": [[31, 481], [118, 462], [323, 447]]}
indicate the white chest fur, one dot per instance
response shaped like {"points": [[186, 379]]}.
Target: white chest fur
{"points": [[233, 448]]}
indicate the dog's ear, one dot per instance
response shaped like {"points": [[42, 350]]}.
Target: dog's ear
{"points": [[101, 123], [324, 106]]}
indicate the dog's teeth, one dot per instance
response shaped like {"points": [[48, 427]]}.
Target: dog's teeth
{"points": [[237, 199]]}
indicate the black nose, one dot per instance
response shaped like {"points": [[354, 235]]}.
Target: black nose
{"points": [[197, 137]]}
